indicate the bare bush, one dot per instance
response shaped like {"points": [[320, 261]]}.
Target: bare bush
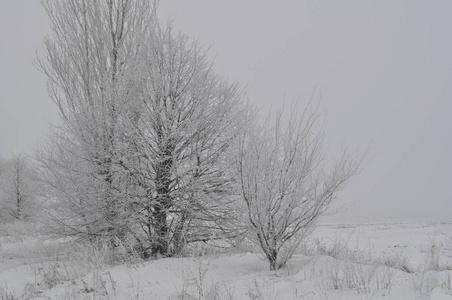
{"points": [[284, 180]]}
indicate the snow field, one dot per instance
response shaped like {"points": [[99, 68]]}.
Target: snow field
{"points": [[339, 261]]}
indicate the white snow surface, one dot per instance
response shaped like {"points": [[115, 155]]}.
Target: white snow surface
{"points": [[339, 261]]}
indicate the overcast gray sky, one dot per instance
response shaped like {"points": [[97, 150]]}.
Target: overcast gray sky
{"points": [[384, 69]]}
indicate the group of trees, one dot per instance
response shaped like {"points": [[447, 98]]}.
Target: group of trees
{"points": [[142, 154], [157, 150]]}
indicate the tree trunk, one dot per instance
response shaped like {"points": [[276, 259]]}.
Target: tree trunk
{"points": [[164, 201], [272, 258], [160, 244]]}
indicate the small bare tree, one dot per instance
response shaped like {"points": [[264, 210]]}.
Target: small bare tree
{"points": [[284, 180], [19, 190]]}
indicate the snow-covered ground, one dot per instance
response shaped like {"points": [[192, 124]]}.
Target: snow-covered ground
{"points": [[391, 260]]}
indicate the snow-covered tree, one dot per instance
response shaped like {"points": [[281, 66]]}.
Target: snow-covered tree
{"points": [[19, 190], [285, 182], [143, 151], [90, 59], [184, 119]]}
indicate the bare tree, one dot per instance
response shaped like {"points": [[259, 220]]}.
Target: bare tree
{"points": [[19, 190], [90, 60], [284, 180], [183, 122], [143, 152]]}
